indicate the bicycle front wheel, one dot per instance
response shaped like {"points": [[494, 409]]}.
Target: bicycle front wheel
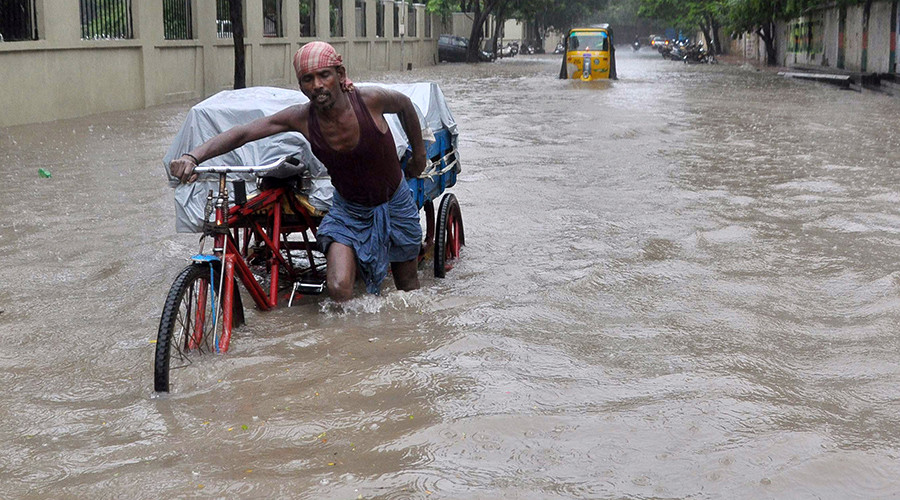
{"points": [[189, 321]]}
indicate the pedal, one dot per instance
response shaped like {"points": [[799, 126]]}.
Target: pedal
{"points": [[310, 288], [306, 289]]}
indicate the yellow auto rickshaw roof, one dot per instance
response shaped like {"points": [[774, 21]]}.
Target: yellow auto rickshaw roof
{"points": [[588, 30]]}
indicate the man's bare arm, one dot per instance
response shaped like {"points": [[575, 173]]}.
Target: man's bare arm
{"points": [[283, 121], [396, 102]]}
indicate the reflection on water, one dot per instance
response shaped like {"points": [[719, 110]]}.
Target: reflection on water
{"points": [[677, 284]]}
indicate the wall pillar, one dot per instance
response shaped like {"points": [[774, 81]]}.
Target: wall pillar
{"points": [[348, 14], [371, 19], [388, 19], [147, 19], [60, 24], [291, 22], [205, 32], [420, 21], [290, 10], [253, 35], [323, 19]]}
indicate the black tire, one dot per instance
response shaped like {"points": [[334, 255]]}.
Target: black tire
{"points": [[174, 347], [449, 235]]}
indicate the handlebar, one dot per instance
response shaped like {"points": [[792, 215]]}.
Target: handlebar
{"points": [[431, 168], [251, 169]]}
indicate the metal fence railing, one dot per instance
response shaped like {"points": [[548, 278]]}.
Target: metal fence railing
{"points": [[223, 19], [360, 18], [379, 19], [336, 17], [178, 23], [395, 10], [106, 19], [18, 21], [307, 18], [272, 25], [112, 19]]}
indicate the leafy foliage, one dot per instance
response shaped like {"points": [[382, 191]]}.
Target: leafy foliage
{"points": [[544, 14], [561, 15]]}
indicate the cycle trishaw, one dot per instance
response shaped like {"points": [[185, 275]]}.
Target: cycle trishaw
{"points": [[262, 216]]}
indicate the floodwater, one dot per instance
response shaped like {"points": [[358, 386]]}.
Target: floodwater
{"points": [[682, 284]]}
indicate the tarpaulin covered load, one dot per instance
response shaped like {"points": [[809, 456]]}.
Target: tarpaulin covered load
{"points": [[236, 107]]}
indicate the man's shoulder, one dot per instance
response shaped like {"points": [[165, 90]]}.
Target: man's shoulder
{"points": [[377, 97], [374, 92], [298, 109]]}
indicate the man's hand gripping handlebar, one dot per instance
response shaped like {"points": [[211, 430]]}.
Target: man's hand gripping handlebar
{"points": [[187, 171]]}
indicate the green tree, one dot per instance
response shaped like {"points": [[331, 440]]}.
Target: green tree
{"points": [[622, 12], [480, 10], [444, 8], [560, 15], [705, 15], [759, 16], [563, 15], [544, 14]]}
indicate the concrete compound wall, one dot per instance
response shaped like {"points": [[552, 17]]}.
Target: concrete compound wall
{"points": [[880, 24], [869, 42], [62, 76]]}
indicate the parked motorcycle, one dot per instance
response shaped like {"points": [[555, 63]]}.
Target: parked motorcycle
{"points": [[664, 48], [676, 51], [696, 53], [508, 51]]}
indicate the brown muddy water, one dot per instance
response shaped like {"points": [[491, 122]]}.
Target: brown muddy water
{"points": [[682, 284]]}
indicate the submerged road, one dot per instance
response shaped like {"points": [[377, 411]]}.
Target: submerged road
{"points": [[681, 284]]}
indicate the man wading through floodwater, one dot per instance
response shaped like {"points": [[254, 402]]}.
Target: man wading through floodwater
{"points": [[373, 220]]}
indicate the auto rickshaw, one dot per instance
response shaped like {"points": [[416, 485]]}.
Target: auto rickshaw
{"points": [[589, 54]]}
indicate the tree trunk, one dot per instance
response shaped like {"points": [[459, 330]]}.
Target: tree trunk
{"points": [[704, 28], [498, 26], [475, 35], [237, 31], [717, 41], [480, 14], [766, 32]]}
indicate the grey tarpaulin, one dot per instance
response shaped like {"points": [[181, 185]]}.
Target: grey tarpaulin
{"points": [[235, 107]]}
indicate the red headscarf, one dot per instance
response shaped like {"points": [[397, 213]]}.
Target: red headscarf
{"points": [[317, 55]]}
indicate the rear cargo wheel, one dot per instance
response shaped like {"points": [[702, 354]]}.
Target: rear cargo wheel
{"points": [[449, 235]]}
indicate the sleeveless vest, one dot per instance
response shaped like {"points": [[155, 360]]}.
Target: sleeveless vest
{"points": [[370, 173]]}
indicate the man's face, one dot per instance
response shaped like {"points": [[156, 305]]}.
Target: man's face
{"points": [[322, 86]]}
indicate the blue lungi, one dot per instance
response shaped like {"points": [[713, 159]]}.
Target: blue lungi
{"points": [[379, 235]]}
